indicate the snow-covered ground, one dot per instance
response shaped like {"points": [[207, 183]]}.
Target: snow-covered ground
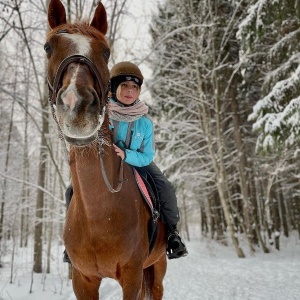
{"points": [[209, 272]]}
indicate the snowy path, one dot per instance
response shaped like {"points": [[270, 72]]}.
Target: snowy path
{"points": [[209, 272], [212, 275]]}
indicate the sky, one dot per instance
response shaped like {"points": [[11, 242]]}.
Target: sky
{"points": [[210, 272], [135, 42], [135, 28]]}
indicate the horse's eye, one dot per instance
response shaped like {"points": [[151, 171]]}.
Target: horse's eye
{"points": [[106, 54], [47, 48]]}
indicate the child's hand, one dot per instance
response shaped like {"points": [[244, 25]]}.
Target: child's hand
{"points": [[119, 152]]}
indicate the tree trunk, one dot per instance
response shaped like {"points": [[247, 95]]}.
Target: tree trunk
{"points": [[50, 235], [185, 216], [275, 215], [24, 227], [220, 169], [204, 225], [297, 212], [3, 195], [69, 10], [257, 212], [283, 213], [242, 167], [39, 211], [229, 222]]}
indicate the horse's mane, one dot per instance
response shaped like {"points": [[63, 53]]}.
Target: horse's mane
{"points": [[79, 27]]}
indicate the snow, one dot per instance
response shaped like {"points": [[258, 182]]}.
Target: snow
{"points": [[211, 271], [255, 11]]}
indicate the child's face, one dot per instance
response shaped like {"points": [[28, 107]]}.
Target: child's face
{"points": [[128, 92]]}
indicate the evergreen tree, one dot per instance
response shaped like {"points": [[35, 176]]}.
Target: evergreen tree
{"points": [[270, 37]]}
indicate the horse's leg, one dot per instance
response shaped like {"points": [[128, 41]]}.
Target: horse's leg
{"points": [[160, 269], [148, 280], [131, 282], [153, 280], [85, 288]]}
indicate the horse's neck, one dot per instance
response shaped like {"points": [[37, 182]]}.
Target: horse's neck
{"points": [[87, 178]]}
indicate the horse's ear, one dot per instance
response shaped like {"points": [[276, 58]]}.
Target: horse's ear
{"points": [[100, 19], [56, 14]]}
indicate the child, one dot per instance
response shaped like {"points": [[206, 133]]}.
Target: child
{"points": [[134, 143]]}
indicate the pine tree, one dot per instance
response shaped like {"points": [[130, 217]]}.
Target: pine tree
{"points": [[270, 38]]}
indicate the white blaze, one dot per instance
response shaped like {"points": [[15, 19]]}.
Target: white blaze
{"points": [[82, 43], [69, 96], [81, 46]]}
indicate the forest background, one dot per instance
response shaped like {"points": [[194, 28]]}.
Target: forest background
{"points": [[222, 83]]}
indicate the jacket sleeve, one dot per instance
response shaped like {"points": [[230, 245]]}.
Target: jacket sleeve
{"points": [[143, 156]]}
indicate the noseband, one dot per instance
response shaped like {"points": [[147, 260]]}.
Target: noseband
{"points": [[78, 58]]}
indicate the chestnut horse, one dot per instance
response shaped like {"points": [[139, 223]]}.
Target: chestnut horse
{"points": [[106, 225]]}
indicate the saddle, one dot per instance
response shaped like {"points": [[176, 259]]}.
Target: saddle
{"points": [[148, 190]]}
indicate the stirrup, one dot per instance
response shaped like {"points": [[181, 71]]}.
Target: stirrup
{"points": [[66, 258], [175, 248]]}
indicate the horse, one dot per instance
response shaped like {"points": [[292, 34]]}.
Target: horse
{"points": [[106, 226]]}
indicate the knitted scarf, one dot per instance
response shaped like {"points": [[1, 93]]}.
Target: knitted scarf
{"points": [[127, 113]]}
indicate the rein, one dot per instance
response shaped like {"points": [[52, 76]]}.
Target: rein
{"points": [[53, 91], [121, 178]]}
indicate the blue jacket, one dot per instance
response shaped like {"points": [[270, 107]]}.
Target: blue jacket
{"points": [[140, 150]]}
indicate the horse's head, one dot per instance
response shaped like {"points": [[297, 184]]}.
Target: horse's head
{"points": [[77, 72]]}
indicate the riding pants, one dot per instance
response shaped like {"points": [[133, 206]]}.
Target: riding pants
{"points": [[166, 194]]}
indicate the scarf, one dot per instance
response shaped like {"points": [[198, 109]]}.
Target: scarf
{"points": [[127, 113]]}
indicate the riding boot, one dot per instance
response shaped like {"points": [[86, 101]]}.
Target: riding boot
{"points": [[66, 258], [175, 246]]}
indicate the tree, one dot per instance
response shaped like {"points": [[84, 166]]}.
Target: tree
{"points": [[209, 73], [196, 51], [269, 37]]}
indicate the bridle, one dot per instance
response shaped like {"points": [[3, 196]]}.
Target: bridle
{"points": [[78, 58], [104, 88], [54, 89]]}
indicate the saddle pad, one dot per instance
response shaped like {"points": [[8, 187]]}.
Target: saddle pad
{"points": [[143, 188], [152, 225]]}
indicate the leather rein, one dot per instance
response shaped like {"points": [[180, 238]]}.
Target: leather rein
{"points": [[53, 91]]}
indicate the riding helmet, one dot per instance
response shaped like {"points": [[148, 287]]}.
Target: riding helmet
{"points": [[125, 71]]}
